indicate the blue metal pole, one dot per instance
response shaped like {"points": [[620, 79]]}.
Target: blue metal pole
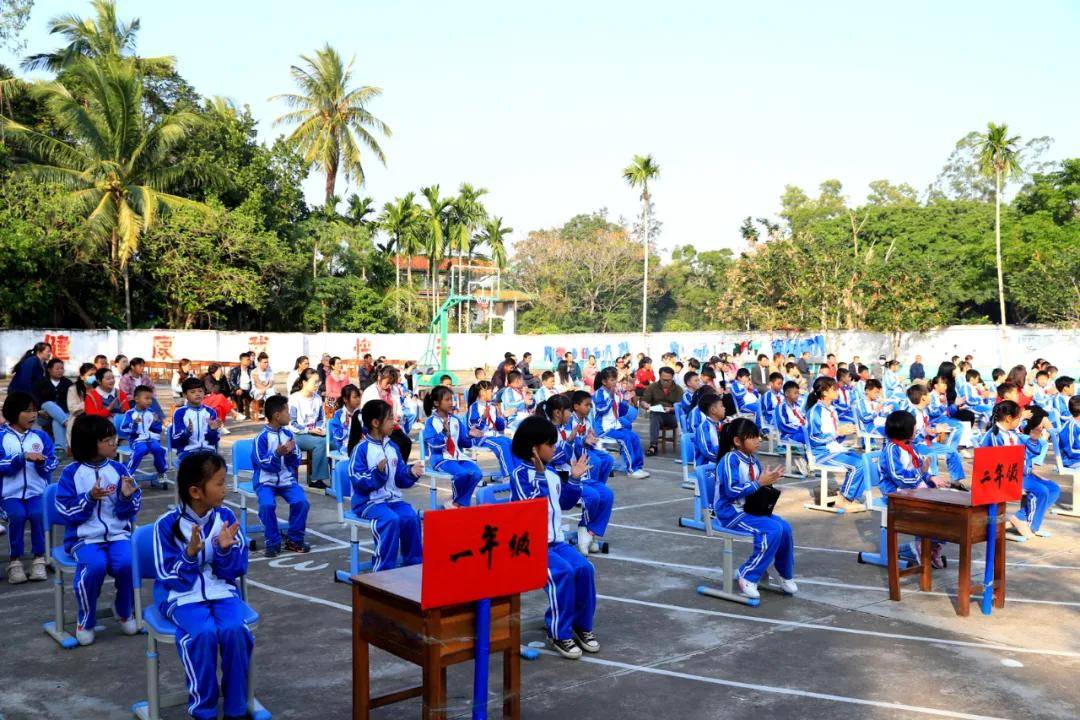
{"points": [[988, 574], [483, 649]]}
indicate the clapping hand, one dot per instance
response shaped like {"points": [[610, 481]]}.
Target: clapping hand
{"points": [[417, 469], [195, 544], [473, 432], [34, 457], [939, 482], [99, 493], [128, 486], [771, 476], [227, 537], [580, 467], [214, 424]]}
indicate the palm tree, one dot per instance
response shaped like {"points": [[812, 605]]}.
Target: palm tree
{"points": [[637, 174], [999, 158], [400, 220], [101, 37], [493, 234], [357, 209], [434, 229], [118, 164], [466, 214], [332, 118]]}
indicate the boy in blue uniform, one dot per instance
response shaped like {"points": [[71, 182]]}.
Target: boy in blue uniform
{"points": [[276, 459], [143, 429]]}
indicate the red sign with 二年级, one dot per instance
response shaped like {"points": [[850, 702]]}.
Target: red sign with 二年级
{"points": [[486, 551], [998, 475]]}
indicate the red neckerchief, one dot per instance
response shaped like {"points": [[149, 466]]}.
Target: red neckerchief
{"points": [[488, 415], [751, 472], [615, 406], [906, 447], [798, 416], [451, 447]]}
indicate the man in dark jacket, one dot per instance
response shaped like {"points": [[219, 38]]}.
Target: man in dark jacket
{"points": [[663, 393], [240, 383], [531, 380]]}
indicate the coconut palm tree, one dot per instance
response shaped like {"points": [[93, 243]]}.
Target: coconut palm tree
{"points": [[999, 158], [357, 209], [400, 221], [118, 164], [466, 214], [637, 174], [332, 119], [434, 221], [493, 234], [102, 36]]}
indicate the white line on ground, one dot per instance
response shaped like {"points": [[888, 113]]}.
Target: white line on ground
{"points": [[652, 670], [298, 596], [316, 533], [824, 583]]}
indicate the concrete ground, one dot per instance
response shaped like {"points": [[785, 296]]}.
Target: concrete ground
{"points": [[840, 649]]}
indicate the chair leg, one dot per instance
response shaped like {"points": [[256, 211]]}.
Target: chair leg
{"points": [[826, 502], [56, 629], [728, 588], [1074, 509]]}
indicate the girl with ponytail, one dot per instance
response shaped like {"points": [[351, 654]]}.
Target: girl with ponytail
{"points": [[446, 440], [824, 435], [485, 416]]}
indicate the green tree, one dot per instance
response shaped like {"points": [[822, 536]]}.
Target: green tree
{"points": [[998, 158], [641, 170], [434, 226], [332, 118], [13, 17], [117, 166]]}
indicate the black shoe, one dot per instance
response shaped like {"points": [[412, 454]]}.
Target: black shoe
{"points": [[587, 641], [272, 551], [567, 648], [297, 547], [651, 451], [318, 485]]}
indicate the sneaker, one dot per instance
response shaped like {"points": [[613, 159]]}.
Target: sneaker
{"points": [[587, 641], [800, 466], [1021, 526], [449, 505], [594, 546], [749, 589], [639, 474], [297, 547], [161, 482], [651, 451], [584, 539], [37, 570], [84, 636], [272, 551], [788, 586], [16, 574], [224, 430], [3, 530], [937, 558], [129, 626], [318, 485], [567, 648], [1040, 532]]}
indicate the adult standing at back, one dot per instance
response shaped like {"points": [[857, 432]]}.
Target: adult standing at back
{"points": [[917, 371], [30, 369], [383, 389]]}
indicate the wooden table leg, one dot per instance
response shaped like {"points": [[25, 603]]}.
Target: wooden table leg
{"points": [[361, 680], [512, 664], [999, 563], [963, 588], [434, 694], [926, 582], [894, 560]]}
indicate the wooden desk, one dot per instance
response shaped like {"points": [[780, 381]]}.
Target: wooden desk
{"points": [[937, 514], [387, 614]]}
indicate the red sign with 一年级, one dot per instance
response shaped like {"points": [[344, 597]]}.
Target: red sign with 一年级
{"points": [[482, 552], [998, 475]]}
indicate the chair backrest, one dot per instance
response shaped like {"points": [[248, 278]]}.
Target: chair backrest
{"points": [[241, 457], [680, 417], [117, 421], [142, 553], [706, 480], [493, 494], [342, 484], [686, 448], [49, 512], [1055, 437]]}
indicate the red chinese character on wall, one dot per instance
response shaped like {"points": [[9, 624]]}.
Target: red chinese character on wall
{"points": [[258, 344], [363, 346], [162, 349], [61, 346]]}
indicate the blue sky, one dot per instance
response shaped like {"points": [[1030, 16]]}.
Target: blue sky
{"points": [[544, 104]]}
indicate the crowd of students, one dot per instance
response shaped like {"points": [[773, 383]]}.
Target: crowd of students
{"points": [[554, 441]]}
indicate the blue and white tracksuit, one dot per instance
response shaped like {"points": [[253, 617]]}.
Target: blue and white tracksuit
{"points": [[707, 442], [407, 402], [687, 405], [1039, 494], [940, 412], [746, 399], [376, 496], [543, 393], [191, 430], [898, 470], [608, 423], [597, 499], [790, 420], [445, 456], [484, 417], [892, 385], [338, 429], [600, 462], [844, 402], [571, 584], [22, 485], [926, 445], [98, 534], [200, 596], [774, 543], [277, 476], [982, 407], [770, 401], [1069, 443], [143, 430], [869, 419], [511, 399], [821, 425]]}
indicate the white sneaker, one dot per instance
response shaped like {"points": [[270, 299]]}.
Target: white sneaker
{"points": [[788, 586], [800, 466], [748, 589], [129, 626], [449, 505], [594, 546], [3, 530], [16, 574], [584, 539], [37, 570], [224, 430], [83, 636], [639, 474]]}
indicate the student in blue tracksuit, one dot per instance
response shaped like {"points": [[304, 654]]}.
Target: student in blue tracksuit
{"points": [[739, 475], [940, 411], [341, 421], [608, 422], [867, 409], [445, 438], [378, 474], [973, 399], [695, 418], [845, 396], [194, 427], [707, 434], [823, 434], [742, 390], [571, 585], [918, 402], [790, 419], [580, 425], [515, 400], [276, 459], [486, 416], [1066, 389], [691, 383], [1069, 438], [597, 498], [903, 467], [770, 401], [890, 381], [97, 499], [143, 429], [27, 460], [1039, 494], [546, 389], [200, 554]]}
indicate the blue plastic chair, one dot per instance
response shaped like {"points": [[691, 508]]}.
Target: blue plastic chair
{"points": [[63, 565], [123, 452], [435, 476], [341, 487], [1073, 473], [241, 463], [159, 629]]}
